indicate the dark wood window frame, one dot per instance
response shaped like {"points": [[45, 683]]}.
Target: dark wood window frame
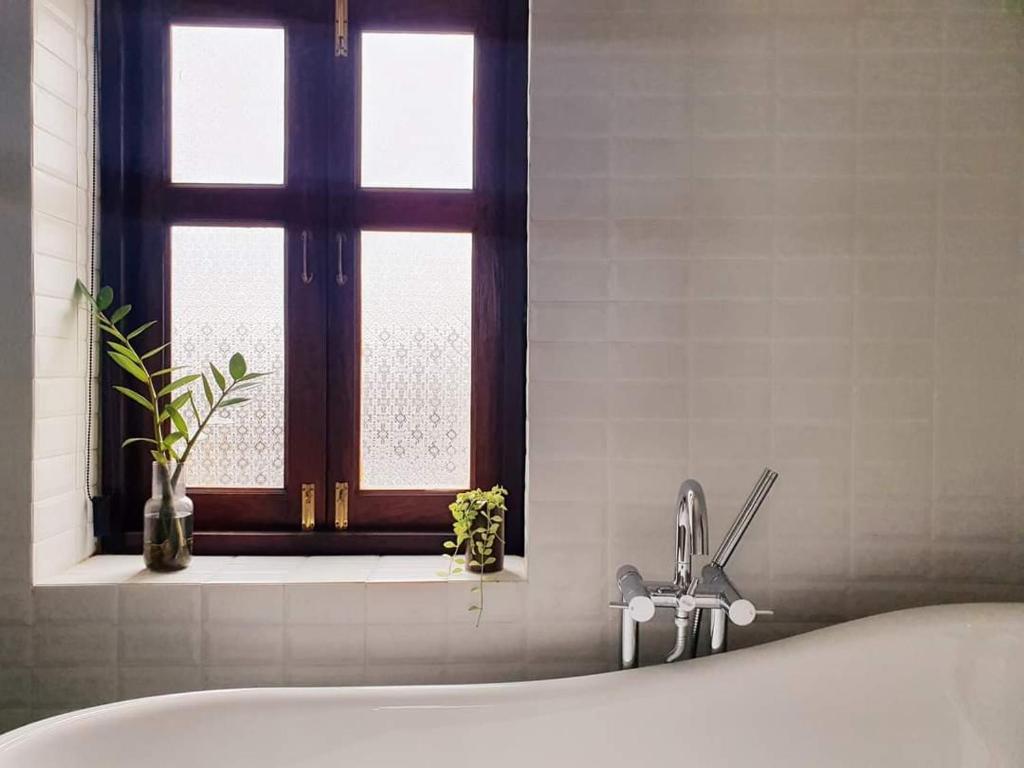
{"points": [[138, 205]]}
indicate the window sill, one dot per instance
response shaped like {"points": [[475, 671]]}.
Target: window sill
{"points": [[128, 569]]}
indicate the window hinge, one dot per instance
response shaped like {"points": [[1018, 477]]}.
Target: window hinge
{"points": [[341, 506], [341, 27], [308, 506]]}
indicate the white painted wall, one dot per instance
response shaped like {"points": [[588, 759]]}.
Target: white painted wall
{"points": [[762, 231]]}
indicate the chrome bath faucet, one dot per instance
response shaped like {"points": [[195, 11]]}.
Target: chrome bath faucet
{"points": [[689, 597], [691, 530]]}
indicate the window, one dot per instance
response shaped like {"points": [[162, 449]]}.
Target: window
{"points": [[350, 214]]}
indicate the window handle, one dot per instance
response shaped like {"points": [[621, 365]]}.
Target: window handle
{"points": [[340, 278], [340, 28], [307, 276]]}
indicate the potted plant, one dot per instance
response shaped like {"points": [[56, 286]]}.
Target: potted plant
{"points": [[478, 522], [177, 423]]}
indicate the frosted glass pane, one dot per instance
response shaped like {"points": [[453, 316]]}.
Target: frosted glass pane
{"points": [[227, 296], [227, 105], [416, 298], [417, 110]]}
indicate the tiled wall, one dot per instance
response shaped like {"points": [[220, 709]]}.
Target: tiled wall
{"points": [[762, 231], [61, 158], [783, 232]]}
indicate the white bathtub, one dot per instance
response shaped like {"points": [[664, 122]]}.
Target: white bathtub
{"points": [[922, 688]]}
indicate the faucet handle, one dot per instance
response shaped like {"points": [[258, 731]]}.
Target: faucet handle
{"points": [[742, 612], [636, 600]]}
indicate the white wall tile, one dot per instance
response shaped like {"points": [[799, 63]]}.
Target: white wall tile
{"points": [[396, 603], [242, 644], [299, 675], [161, 644], [325, 603], [216, 677], [76, 604], [75, 644], [55, 75], [390, 673], [243, 604], [325, 645], [15, 687], [404, 643], [147, 603], [137, 682]]}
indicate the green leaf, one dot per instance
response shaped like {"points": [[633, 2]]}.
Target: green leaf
{"points": [[156, 351], [237, 366], [165, 371], [253, 375], [184, 381], [131, 394], [83, 290], [120, 314], [490, 560], [105, 298], [218, 377], [173, 438], [140, 330], [126, 351], [207, 391], [177, 419], [132, 368], [233, 401], [473, 608], [131, 440], [157, 457], [449, 545], [180, 400]]}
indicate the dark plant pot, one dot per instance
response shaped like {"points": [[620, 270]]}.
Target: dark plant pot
{"points": [[497, 552]]}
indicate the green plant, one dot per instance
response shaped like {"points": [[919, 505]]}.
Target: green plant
{"points": [[173, 437], [477, 518], [177, 421]]}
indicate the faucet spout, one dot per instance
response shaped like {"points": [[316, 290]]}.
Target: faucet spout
{"points": [[691, 530]]}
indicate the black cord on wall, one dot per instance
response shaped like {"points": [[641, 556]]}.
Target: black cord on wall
{"points": [[100, 513]]}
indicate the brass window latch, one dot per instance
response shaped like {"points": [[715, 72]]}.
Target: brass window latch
{"points": [[308, 506], [341, 27], [341, 506]]}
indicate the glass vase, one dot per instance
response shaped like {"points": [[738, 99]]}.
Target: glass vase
{"points": [[167, 521]]}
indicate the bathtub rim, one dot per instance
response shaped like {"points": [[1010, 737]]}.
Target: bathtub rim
{"points": [[881, 622]]}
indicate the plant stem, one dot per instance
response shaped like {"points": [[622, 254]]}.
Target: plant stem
{"points": [[483, 559], [199, 429]]}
